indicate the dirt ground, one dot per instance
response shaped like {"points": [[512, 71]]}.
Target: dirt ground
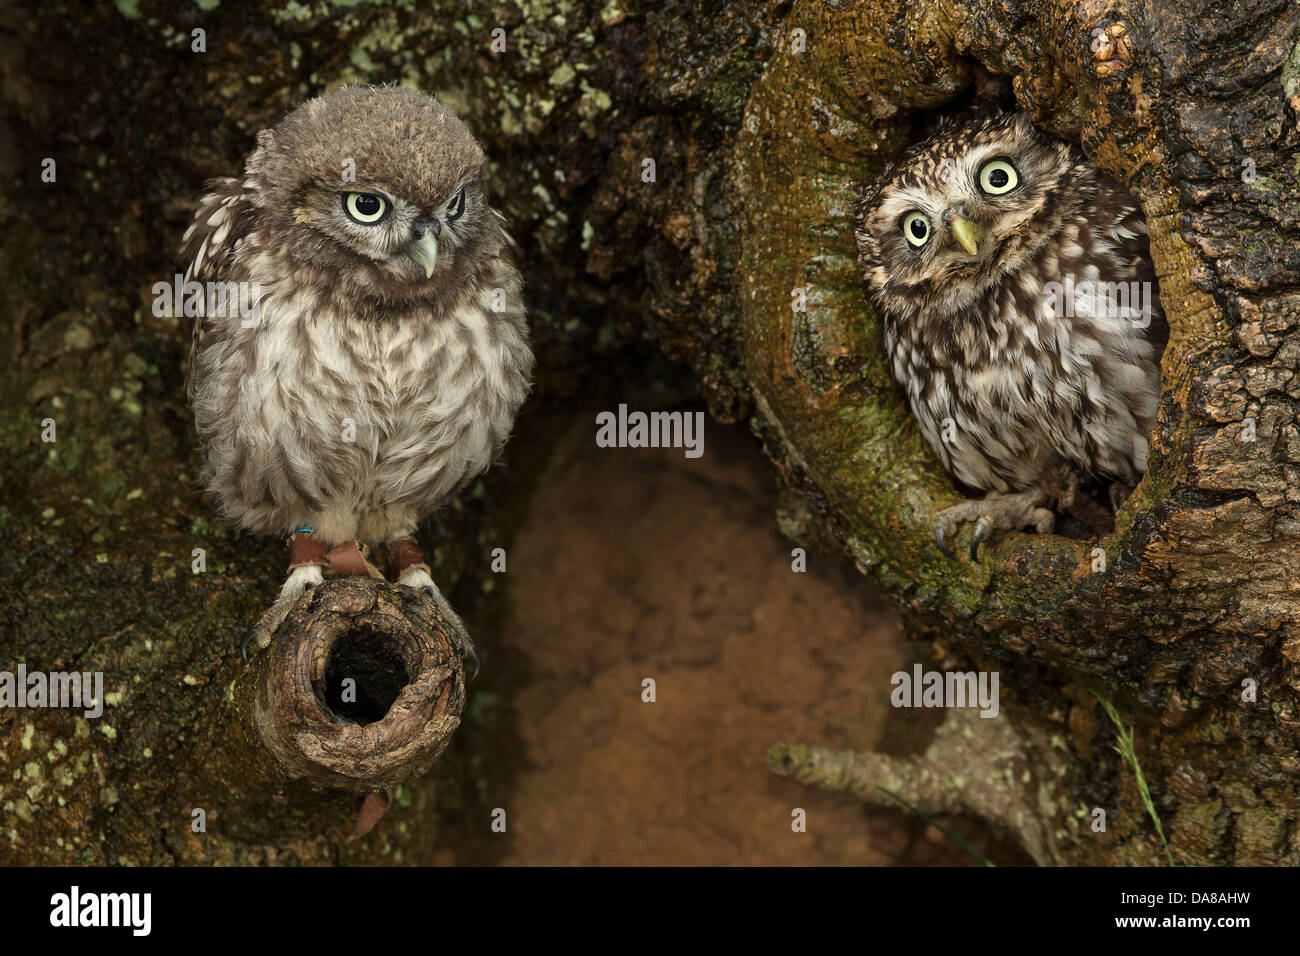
{"points": [[641, 563]]}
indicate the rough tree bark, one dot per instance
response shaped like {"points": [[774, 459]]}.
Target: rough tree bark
{"points": [[761, 146]]}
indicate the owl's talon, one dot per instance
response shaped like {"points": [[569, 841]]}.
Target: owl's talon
{"points": [[993, 513], [300, 581], [259, 635], [983, 528], [947, 550], [473, 652]]}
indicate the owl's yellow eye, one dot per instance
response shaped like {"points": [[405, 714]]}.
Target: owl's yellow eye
{"points": [[365, 208], [456, 207], [917, 229], [998, 176]]}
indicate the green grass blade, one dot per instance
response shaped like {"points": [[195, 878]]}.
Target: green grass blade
{"points": [[957, 841], [1128, 753]]}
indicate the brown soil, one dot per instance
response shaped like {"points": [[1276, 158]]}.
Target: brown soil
{"points": [[641, 563]]}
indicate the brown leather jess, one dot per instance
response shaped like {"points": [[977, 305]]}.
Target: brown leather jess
{"points": [[405, 553], [306, 549], [346, 560]]}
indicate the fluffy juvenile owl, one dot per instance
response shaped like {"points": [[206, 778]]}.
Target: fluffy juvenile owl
{"points": [[1020, 314], [386, 353]]}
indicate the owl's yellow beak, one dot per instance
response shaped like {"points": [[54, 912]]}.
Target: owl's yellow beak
{"points": [[967, 234], [425, 252]]}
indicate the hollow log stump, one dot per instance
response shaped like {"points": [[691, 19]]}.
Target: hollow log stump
{"points": [[360, 690]]}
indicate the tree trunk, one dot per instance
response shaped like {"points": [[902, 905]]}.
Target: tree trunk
{"points": [[764, 122]]}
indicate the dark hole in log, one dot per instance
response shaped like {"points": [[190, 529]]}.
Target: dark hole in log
{"points": [[373, 662]]}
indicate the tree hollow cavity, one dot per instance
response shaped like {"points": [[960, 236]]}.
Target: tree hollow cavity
{"points": [[364, 674]]}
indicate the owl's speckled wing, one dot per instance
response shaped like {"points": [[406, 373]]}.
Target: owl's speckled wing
{"points": [[1126, 226], [222, 222]]}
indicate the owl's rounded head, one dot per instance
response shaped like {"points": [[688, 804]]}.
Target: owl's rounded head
{"points": [[380, 186], [964, 209]]}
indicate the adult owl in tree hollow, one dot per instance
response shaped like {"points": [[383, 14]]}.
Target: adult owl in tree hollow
{"points": [[388, 351], [1020, 315]]}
